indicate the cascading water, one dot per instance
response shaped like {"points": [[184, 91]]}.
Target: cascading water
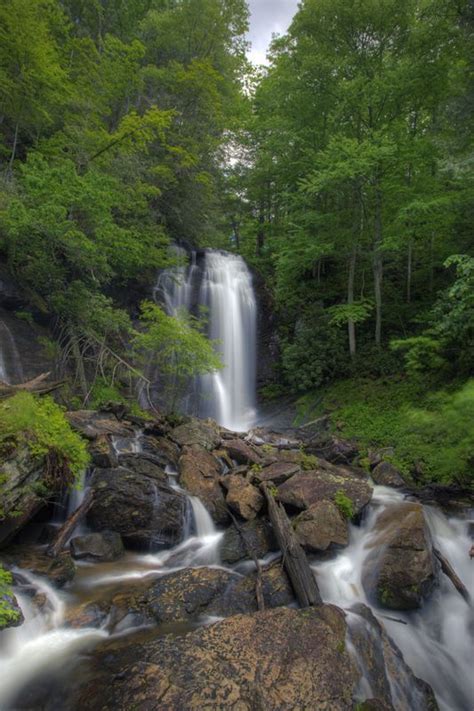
{"points": [[436, 641], [222, 283], [10, 362]]}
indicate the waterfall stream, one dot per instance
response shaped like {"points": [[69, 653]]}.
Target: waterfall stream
{"points": [[222, 283], [10, 361]]}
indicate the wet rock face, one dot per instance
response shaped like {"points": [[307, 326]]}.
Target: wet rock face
{"points": [[143, 509], [321, 527], [59, 570], [105, 546], [384, 671], [199, 474], [241, 452], [258, 535], [21, 492], [305, 489], [272, 660], [102, 452], [92, 424], [401, 571]]}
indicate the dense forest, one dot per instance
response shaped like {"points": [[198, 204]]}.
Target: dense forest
{"points": [[342, 172]]}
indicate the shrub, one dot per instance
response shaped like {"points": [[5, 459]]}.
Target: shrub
{"points": [[8, 614], [344, 504]]}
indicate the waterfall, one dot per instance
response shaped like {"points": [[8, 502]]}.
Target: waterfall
{"points": [[222, 283], [10, 362]]}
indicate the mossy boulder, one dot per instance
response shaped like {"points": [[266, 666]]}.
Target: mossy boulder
{"points": [[321, 528]]}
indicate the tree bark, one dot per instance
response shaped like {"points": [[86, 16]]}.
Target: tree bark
{"points": [[448, 570], [67, 528], [350, 301], [294, 558], [260, 231], [378, 266], [409, 270]]}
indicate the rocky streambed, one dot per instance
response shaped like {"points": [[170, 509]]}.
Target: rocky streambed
{"points": [[152, 601]]}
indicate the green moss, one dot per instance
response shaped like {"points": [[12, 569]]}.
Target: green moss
{"points": [[341, 646], [308, 461], [8, 614], [344, 504], [41, 425]]}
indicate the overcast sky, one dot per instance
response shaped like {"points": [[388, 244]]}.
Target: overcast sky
{"points": [[268, 17]]}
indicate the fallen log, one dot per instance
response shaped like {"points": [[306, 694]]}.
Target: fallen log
{"points": [[294, 558], [38, 386], [258, 567], [448, 570], [70, 524]]}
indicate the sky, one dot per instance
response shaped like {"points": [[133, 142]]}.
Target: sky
{"points": [[266, 18]]}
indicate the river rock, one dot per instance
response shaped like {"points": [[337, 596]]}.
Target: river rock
{"points": [[92, 424], [241, 452], [277, 472], [199, 433], [258, 535], [401, 571], [321, 527], [199, 474], [242, 497], [386, 474], [59, 570], [103, 546], [272, 660], [15, 617], [307, 488], [22, 491], [389, 678], [143, 464], [163, 450], [144, 510]]}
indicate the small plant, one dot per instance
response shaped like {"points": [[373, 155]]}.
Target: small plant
{"points": [[256, 468], [308, 461], [8, 614], [273, 491], [344, 504]]}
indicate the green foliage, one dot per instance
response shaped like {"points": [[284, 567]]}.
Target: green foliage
{"points": [[344, 504], [178, 347], [40, 424], [8, 614], [431, 432], [308, 461]]}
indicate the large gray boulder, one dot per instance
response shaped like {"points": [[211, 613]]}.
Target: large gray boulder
{"points": [[105, 546], [401, 570], [143, 509], [321, 528]]}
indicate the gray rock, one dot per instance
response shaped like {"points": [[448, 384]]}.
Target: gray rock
{"points": [[103, 546]]}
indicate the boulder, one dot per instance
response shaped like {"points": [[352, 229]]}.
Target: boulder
{"points": [[22, 491], [199, 433], [103, 546], [8, 602], [241, 452], [258, 535], [242, 497], [307, 488], [59, 570], [332, 448], [199, 474], [278, 472], [144, 510], [401, 570], [273, 660], [102, 452], [387, 475], [321, 527], [163, 450], [375, 456], [92, 424]]}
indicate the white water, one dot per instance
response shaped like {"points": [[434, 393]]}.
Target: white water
{"points": [[438, 640], [10, 362], [223, 284]]}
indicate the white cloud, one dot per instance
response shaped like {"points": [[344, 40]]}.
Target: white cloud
{"points": [[268, 17]]}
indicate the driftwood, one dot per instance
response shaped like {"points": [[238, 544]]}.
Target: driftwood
{"points": [[258, 567], [39, 386], [448, 570], [294, 558], [67, 528]]}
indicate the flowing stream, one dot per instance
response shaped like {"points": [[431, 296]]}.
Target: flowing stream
{"points": [[11, 370]]}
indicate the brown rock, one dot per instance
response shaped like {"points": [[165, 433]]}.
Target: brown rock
{"points": [[307, 488], [387, 475], [401, 571], [92, 424], [258, 535], [278, 472], [199, 433], [321, 527], [102, 452], [199, 474], [241, 452], [242, 497]]}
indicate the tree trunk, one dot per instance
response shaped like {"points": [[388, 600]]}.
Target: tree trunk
{"points": [[350, 301], [260, 231], [14, 147], [409, 270], [235, 229], [79, 366], [448, 570], [68, 527], [378, 266], [294, 558]]}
